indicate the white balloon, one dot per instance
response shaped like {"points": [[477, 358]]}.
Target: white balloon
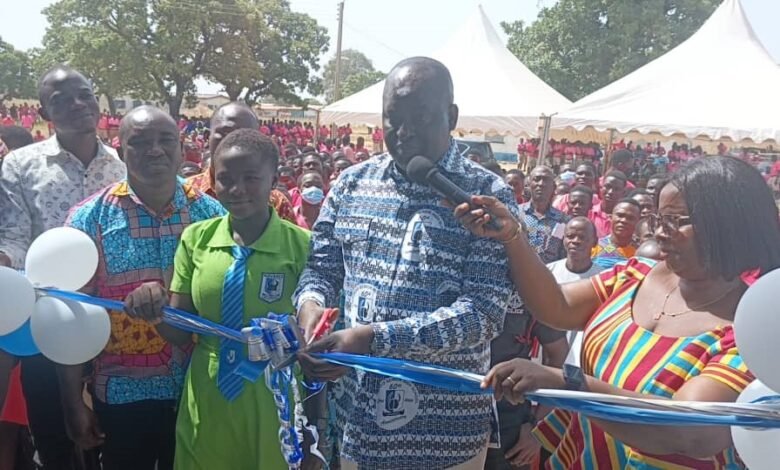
{"points": [[69, 332], [18, 300], [62, 257], [758, 448], [755, 329]]}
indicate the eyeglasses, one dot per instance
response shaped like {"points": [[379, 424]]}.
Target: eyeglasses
{"points": [[670, 223]]}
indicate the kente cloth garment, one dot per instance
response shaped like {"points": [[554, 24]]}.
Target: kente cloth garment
{"points": [[606, 254], [623, 354]]}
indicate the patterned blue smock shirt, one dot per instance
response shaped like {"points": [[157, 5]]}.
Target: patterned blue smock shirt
{"points": [[432, 291]]}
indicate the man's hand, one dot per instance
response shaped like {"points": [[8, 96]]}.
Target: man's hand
{"points": [[147, 301], [308, 316], [525, 449], [353, 340], [5, 260], [82, 427]]}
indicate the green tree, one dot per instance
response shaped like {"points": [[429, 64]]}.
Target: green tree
{"points": [[17, 79], [268, 52], [359, 81], [156, 49], [579, 46], [357, 72]]}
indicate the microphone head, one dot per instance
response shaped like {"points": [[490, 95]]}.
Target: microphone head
{"points": [[418, 169]]}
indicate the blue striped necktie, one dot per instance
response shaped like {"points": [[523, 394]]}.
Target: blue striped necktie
{"points": [[231, 353]]}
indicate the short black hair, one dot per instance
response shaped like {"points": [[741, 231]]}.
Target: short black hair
{"points": [[515, 172], [584, 220], [285, 169], [580, 188], [590, 166], [65, 68], [253, 141], [493, 166], [617, 174], [628, 200], [733, 214], [660, 177], [638, 192], [15, 137], [621, 156], [310, 172]]}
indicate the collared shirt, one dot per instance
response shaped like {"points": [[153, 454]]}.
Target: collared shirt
{"points": [[601, 220], [277, 200], [135, 246], [606, 254], [39, 183], [545, 232], [433, 293], [209, 426]]}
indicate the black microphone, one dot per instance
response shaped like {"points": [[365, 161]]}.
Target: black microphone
{"points": [[424, 172]]}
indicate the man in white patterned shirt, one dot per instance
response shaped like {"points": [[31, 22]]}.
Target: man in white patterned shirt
{"points": [[417, 286], [38, 185]]}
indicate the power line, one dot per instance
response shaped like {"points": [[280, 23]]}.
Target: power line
{"points": [[374, 40]]}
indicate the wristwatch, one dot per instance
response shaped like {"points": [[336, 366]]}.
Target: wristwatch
{"points": [[573, 378]]}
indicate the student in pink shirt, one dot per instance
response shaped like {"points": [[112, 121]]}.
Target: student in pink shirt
{"points": [[28, 121], [349, 152], [612, 191]]}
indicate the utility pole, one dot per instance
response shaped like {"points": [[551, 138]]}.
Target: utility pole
{"points": [[337, 84]]}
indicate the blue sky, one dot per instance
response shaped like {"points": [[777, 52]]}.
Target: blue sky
{"points": [[388, 30]]}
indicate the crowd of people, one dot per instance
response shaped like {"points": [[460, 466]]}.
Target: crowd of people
{"points": [[582, 269]]}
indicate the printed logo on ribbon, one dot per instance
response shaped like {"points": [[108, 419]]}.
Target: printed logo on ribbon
{"points": [[361, 308], [397, 404], [416, 230], [271, 287]]}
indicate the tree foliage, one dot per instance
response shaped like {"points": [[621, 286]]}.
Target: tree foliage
{"points": [[579, 46], [357, 72], [156, 49], [17, 78]]}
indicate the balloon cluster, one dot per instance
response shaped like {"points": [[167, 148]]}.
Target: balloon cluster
{"points": [[756, 328], [31, 322]]}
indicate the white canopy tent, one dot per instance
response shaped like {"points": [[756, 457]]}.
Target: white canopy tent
{"points": [[494, 91], [720, 83]]}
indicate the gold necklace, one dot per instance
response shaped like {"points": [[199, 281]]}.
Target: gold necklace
{"points": [[664, 313]]}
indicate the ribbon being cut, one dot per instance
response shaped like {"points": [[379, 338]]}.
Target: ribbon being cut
{"points": [[71, 328]]}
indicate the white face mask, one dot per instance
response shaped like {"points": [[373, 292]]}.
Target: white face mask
{"points": [[313, 195]]}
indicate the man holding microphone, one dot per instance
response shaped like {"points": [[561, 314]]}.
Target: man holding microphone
{"points": [[417, 286]]}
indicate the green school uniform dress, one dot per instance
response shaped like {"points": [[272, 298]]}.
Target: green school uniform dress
{"points": [[212, 433]]}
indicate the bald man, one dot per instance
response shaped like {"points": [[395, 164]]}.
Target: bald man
{"points": [[136, 225], [38, 185], [417, 286], [226, 119]]}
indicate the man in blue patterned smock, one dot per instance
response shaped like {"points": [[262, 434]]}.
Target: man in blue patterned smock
{"points": [[417, 286]]}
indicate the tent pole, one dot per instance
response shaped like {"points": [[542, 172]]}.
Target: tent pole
{"points": [[544, 138], [608, 151]]}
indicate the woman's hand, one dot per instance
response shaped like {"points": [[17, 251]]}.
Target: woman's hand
{"points": [[513, 379], [487, 208]]}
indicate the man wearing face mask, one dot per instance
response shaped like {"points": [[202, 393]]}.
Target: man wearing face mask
{"points": [[416, 286], [136, 225], [312, 194]]}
